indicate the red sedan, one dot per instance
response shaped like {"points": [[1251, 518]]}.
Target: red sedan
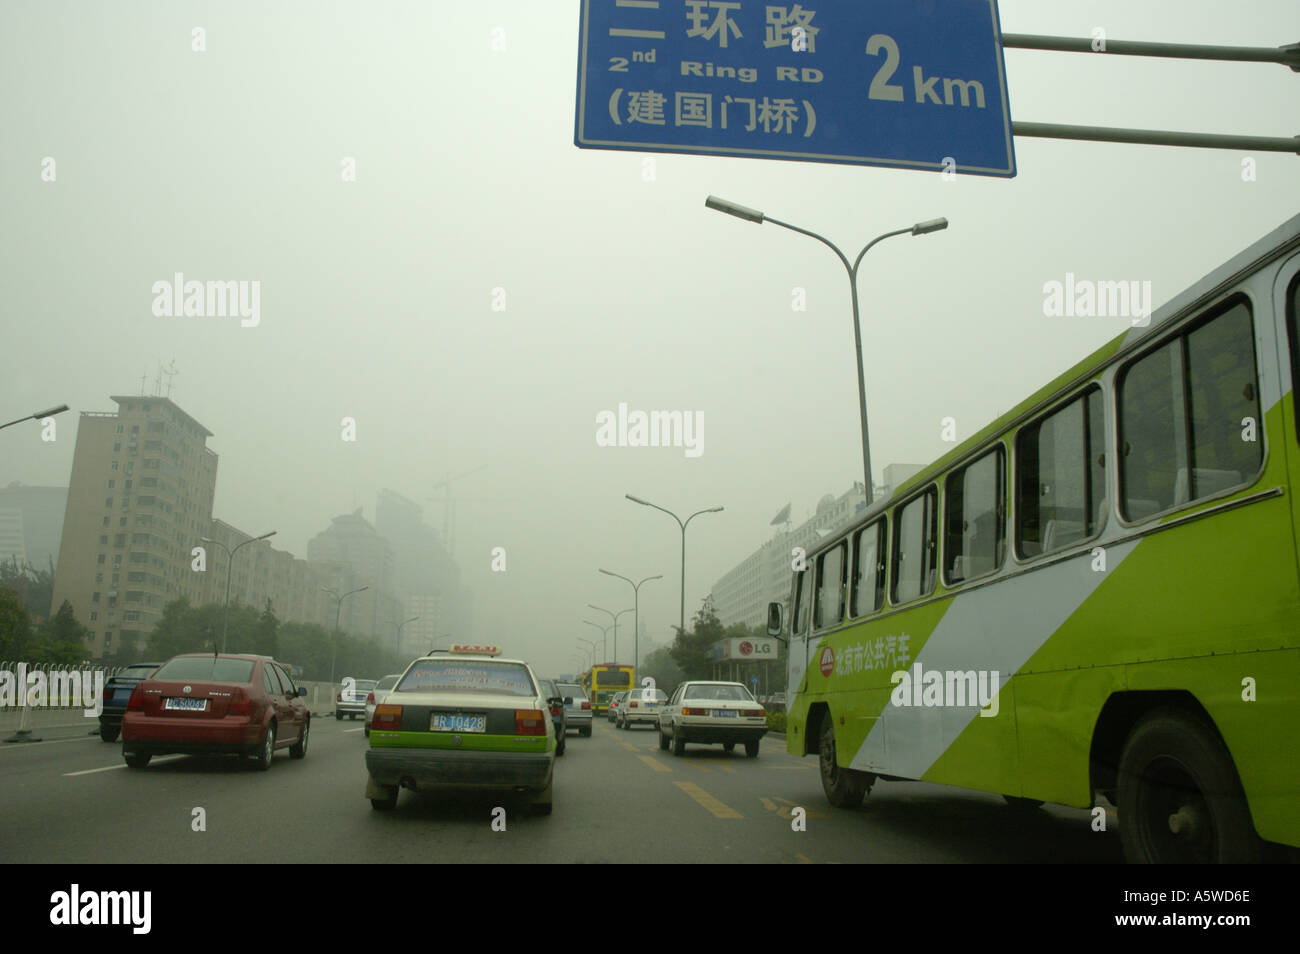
{"points": [[205, 704]]}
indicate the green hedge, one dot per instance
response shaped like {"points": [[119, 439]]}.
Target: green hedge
{"points": [[776, 721]]}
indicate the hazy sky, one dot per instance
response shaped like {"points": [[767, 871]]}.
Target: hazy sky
{"points": [[377, 295]]}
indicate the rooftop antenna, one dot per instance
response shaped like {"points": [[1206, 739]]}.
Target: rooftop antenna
{"points": [[142, 380], [171, 372]]}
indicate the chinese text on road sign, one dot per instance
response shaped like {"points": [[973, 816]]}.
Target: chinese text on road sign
{"points": [[913, 84]]}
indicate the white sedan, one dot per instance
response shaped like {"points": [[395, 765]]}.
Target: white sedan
{"points": [[711, 713], [377, 695]]}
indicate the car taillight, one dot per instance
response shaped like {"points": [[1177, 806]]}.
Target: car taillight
{"points": [[108, 693], [370, 699], [695, 712], [136, 702], [555, 710], [386, 718], [239, 705], [527, 722], [755, 713], [586, 704], [631, 705], [339, 697]]}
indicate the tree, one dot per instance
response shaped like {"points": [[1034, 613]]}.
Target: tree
{"points": [[660, 666], [61, 639], [15, 627], [35, 588], [691, 650]]}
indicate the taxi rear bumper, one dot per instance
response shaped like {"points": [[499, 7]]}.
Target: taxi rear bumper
{"points": [[439, 768]]}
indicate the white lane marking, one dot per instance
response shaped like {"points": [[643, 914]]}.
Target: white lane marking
{"points": [[23, 745], [353, 730], [113, 768]]}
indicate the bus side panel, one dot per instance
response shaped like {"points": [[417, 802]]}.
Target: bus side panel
{"points": [[1056, 712], [980, 753], [1252, 699]]}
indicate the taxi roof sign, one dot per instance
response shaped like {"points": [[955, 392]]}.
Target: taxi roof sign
{"points": [[469, 650]]}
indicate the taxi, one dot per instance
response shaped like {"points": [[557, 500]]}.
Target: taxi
{"points": [[466, 720]]}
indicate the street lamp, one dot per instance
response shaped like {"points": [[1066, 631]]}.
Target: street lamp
{"points": [[230, 568], [636, 617], [614, 617], [399, 630], [920, 228], [436, 639], [604, 632], [39, 415], [646, 503], [338, 608], [591, 652]]}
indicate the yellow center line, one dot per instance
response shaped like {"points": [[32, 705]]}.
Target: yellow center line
{"points": [[718, 809], [803, 858], [727, 768], [654, 763], [629, 746]]}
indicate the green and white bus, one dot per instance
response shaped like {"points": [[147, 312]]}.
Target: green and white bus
{"points": [[1097, 593]]}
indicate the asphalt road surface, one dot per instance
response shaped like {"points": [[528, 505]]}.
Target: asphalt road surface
{"points": [[618, 798]]}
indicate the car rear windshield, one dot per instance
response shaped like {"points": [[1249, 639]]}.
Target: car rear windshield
{"points": [[569, 690], [453, 675], [365, 685], [137, 672], [719, 693], [387, 682], [207, 669]]}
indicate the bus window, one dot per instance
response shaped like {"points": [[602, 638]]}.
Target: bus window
{"points": [[1061, 477], [1180, 415], [1224, 390], [799, 625], [869, 570], [974, 537], [914, 557], [829, 608]]}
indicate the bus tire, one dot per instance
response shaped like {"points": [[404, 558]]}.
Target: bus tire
{"points": [[844, 788], [1180, 799]]}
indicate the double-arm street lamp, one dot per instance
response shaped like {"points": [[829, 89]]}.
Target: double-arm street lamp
{"points": [[614, 616], [338, 608], [636, 617], [590, 652], [920, 228], [604, 633], [680, 523], [230, 567]]}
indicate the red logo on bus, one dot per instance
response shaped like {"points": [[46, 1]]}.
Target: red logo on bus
{"points": [[746, 648], [827, 661]]}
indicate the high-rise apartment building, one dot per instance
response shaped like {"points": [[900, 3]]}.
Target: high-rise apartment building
{"points": [[139, 498]]}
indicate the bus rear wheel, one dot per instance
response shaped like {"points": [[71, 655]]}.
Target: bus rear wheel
{"points": [[1180, 800], [845, 788]]}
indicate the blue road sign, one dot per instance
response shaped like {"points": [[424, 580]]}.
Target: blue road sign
{"points": [[912, 84]]}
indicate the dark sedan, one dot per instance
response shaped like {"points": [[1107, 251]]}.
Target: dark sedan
{"points": [[116, 693], [558, 713], [209, 704]]}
